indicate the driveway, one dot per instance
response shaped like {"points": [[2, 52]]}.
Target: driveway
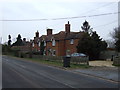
{"points": [[101, 69], [101, 63]]}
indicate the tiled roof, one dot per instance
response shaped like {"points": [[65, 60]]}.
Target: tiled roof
{"points": [[62, 36]]}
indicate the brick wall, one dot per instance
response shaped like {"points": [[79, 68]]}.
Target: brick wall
{"points": [[22, 48], [61, 48], [36, 47], [72, 47], [49, 46], [56, 48]]}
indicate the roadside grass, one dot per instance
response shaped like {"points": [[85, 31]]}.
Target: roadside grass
{"points": [[8, 54], [48, 62], [58, 63], [116, 65], [53, 63]]}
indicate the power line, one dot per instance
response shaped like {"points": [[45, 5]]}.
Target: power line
{"points": [[106, 24], [96, 15], [98, 8]]}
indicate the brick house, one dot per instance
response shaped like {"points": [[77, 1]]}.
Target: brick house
{"points": [[60, 44], [36, 42], [24, 48]]}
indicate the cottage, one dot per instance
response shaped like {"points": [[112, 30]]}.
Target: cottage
{"points": [[59, 44]]}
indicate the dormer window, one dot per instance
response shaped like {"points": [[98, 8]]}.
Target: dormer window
{"points": [[72, 41], [53, 42]]}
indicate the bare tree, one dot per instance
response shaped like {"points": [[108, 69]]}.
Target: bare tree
{"points": [[111, 43], [116, 33], [116, 36]]}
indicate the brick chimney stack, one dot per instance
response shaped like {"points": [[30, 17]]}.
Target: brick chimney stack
{"points": [[49, 32], [67, 28], [37, 34]]}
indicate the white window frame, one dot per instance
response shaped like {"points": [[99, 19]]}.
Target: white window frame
{"points": [[53, 53], [44, 53], [44, 43], [68, 53], [71, 41], [33, 44], [53, 42], [39, 43]]}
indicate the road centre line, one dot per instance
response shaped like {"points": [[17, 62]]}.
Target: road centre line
{"points": [[52, 78], [15, 63]]}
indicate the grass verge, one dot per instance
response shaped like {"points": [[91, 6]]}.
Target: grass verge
{"points": [[53, 63], [57, 63], [116, 65]]}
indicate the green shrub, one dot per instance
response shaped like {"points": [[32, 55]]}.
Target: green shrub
{"points": [[22, 55], [16, 53], [36, 53]]}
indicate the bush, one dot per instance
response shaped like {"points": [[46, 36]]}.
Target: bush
{"points": [[36, 53], [22, 55], [16, 53], [6, 49]]}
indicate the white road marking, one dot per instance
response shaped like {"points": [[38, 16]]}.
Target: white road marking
{"points": [[15, 63], [22, 66], [5, 59], [19, 65]]}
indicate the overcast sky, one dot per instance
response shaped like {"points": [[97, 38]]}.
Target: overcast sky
{"points": [[46, 9]]}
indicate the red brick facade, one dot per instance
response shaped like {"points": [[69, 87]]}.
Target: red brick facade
{"points": [[72, 47], [59, 44]]}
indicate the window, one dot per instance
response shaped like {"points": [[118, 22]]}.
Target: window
{"points": [[44, 53], [39, 44], [67, 52], [53, 42], [44, 43], [33, 44], [54, 53], [71, 41]]}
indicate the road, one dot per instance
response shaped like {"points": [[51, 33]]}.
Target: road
{"points": [[17, 73]]}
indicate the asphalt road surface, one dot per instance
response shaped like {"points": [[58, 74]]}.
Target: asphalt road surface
{"points": [[17, 73]]}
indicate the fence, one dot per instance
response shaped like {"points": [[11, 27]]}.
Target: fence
{"points": [[74, 60], [50, 58], [116, 60], [80, 60]]}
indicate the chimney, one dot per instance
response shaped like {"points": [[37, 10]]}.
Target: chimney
{"points": [[67, 28], [49, 32], [24, 39], [37, 34]]}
